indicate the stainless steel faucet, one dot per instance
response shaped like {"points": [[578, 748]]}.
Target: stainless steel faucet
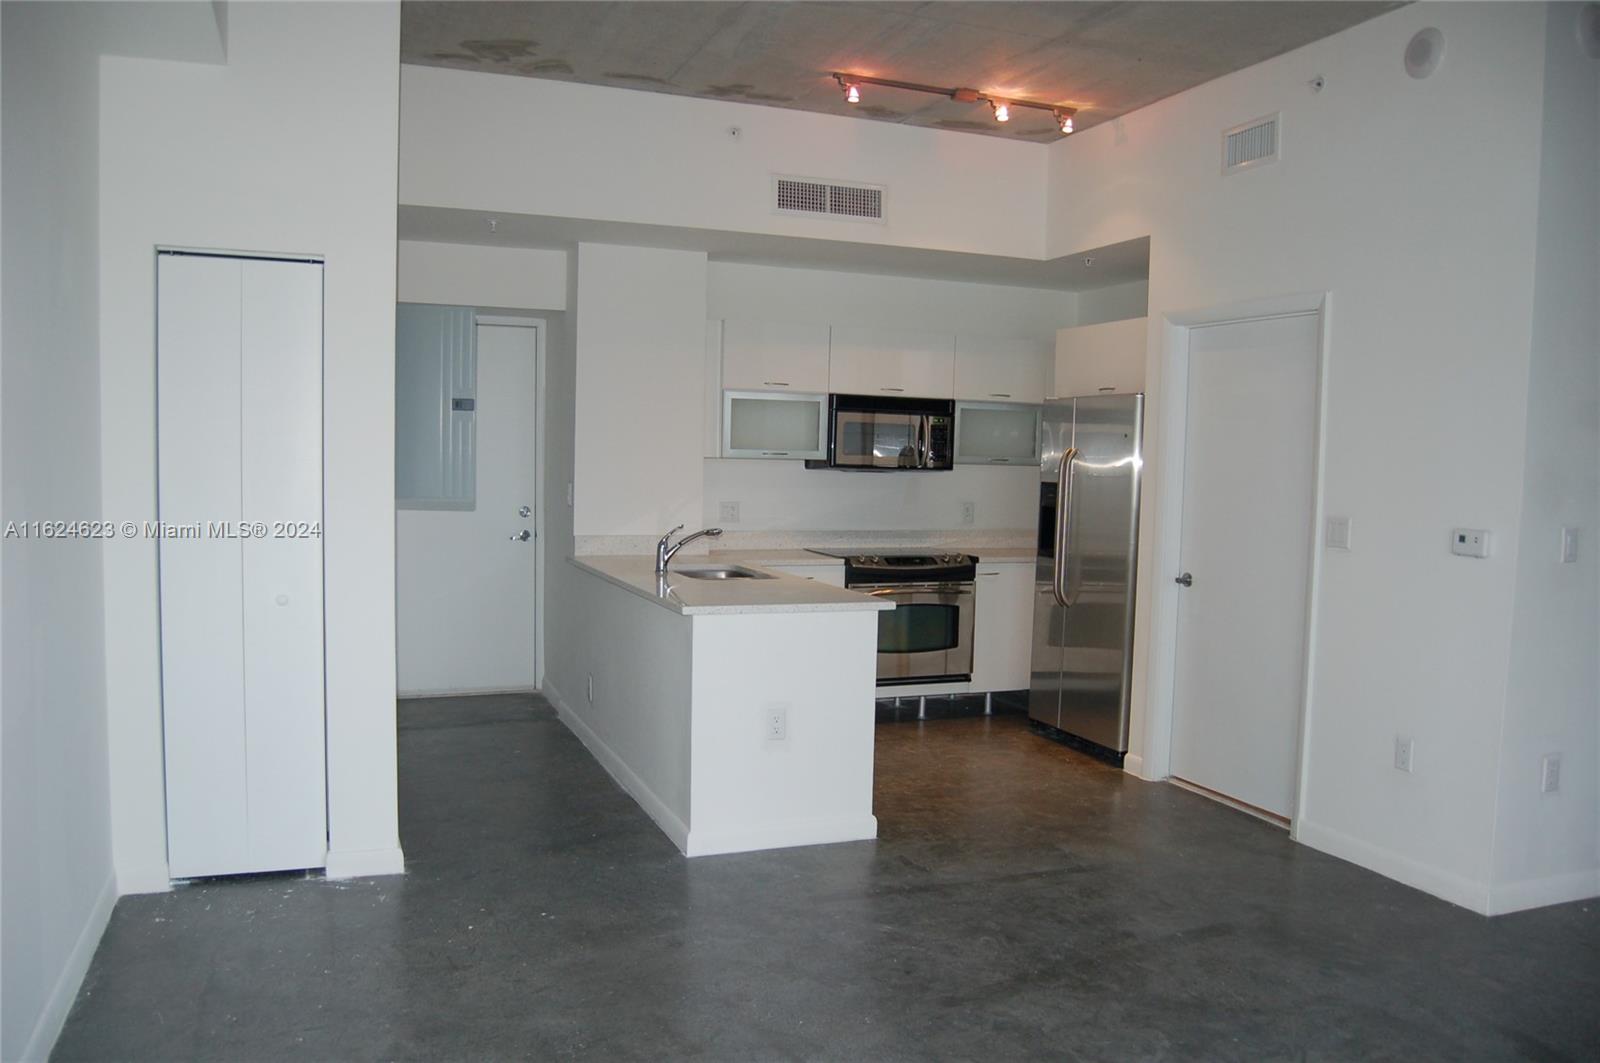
{"points": [[665, 553]]}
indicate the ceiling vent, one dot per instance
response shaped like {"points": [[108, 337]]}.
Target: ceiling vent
{"points": [[837, 199], [1251, 144]]}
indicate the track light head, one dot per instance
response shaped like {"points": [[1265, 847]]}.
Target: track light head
{"points": [[1002, 110], [1064, 120]]}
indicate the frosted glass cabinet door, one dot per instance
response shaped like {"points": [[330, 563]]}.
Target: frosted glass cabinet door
{"points": [[239, 430], [757, 424], [997, 433]]}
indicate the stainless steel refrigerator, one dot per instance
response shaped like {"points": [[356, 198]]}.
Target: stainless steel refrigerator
{"points": [[1084, 579]]}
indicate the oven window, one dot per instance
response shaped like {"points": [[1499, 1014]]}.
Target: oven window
{"points": [[918, 628]]}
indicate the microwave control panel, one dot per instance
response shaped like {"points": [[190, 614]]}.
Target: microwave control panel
{"points": [[939, 453]]}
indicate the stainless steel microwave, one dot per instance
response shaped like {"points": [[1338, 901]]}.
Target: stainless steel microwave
{"points": [[884, 434]]}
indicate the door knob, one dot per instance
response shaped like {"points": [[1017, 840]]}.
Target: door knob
{"points": [[1185, 580], [524, 512], [521, 537]]}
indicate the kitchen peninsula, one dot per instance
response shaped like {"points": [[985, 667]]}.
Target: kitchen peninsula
{"points": [[738, 711]]}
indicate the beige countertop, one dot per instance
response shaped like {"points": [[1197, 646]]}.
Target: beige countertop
{"points": [[768, 557], [683, 594]]}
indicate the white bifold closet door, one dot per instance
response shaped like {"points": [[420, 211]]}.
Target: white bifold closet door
{"points": [[239, 416]]}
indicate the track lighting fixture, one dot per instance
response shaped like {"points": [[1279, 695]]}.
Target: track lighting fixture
{"points": [[851, 86]]}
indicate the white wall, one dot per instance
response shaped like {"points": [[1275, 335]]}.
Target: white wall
{"points": [[55, 841], [473, 275], [640, 333], [596, 152], [290, 147], [784, 494], [1379, 199], [1547, 847], [1115, 302]]}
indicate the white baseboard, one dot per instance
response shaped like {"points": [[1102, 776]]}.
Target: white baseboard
{"points": [[1539, 892], [365, 863], [65, 990], [783, 835], [1133, 764], [464, 692], [1390, 864], [673, 827]]}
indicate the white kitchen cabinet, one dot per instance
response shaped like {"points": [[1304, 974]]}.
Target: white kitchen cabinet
{"points": [[1002, 626], [870, 360], [1001, 369], [1105, 359], [832, 575], [996, 433], [774, 356], [239, 433], [711, 393], [768, 424]]}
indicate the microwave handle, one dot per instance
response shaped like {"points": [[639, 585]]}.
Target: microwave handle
{"points": [[1058, 582], [922, 442]]}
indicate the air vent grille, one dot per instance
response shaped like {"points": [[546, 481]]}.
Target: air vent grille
{"points": [[1250, 144], [799, 195]]}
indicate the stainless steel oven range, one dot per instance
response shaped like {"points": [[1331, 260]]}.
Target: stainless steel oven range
{"points": [[927, 636]]}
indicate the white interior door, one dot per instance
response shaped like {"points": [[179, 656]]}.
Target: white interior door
{"points": [[239, 432], [465, 590], [1246, 543]]}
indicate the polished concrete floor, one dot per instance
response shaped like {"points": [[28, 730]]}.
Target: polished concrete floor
{"points": [[1022, 901]]}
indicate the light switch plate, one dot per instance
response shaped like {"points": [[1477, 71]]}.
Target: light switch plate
{"points": [[1469, 542], [1569, 546], [1337, 536]]}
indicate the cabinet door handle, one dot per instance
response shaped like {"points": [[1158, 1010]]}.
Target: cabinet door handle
{"points": [[999, 394], [1107, 389], [774, 453], [891, 389], [776, 383]]}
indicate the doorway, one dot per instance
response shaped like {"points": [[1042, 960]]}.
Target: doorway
{"points": [[466, 579], [1244, 560]]}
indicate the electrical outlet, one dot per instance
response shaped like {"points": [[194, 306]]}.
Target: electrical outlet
{"points": [[1569, 546], [728, 513], [1469, 542], [1403, 750], [969, 512], [1337, 536], [1550, 774], [777, 723], [590, 688]]}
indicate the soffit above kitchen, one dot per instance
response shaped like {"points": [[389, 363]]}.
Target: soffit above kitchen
{"points": [[1085, 270], [1103, 59]]}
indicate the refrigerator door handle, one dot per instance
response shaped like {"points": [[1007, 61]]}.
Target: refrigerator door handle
{"points": [[1058, 582]]}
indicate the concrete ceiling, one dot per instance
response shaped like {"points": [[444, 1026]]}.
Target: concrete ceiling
{"points": [[1105, 59], [1082, 271]]}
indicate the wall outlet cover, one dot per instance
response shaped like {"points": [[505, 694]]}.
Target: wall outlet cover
{"points": [[1569, 546], [728, 512], [969, 512], [1337, 536], [1404, 750], [1550, 774], [776, 723]]}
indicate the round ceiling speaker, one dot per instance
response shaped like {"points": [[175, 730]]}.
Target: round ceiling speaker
{"points": [[1589, 30], [1424, 52]]}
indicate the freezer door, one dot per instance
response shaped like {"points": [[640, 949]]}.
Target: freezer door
{"points": [[1049, 616], [1104, 528]]}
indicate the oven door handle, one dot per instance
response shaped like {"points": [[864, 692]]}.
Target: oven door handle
{"points": [[1058, 582], [912, 588]]}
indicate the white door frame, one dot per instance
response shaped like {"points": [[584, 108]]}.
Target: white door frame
{"points": [[1165, 548], [540, 329]]}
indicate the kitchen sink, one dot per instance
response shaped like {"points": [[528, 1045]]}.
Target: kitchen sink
{"points": [[721, 572]]}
